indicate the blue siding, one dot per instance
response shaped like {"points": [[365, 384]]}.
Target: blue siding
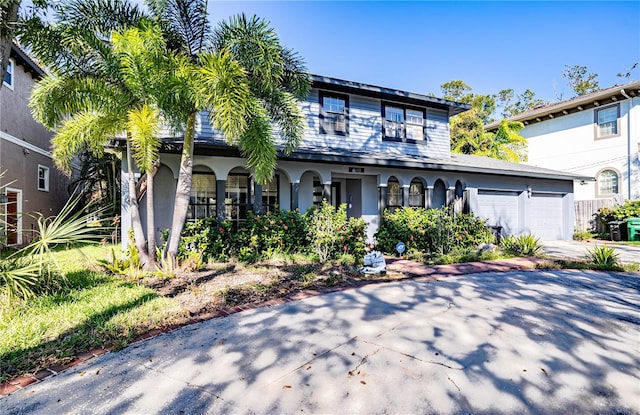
{"points": [[365, 130]]}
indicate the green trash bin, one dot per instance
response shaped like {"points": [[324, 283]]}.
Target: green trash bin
{"points": [[633, 229]]}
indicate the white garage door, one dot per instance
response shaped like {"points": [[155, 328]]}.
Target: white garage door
{"points": [[500, 208], [546, 216]]}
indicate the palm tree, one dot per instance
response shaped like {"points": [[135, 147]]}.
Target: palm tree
{"points": [[86, 97], [267, 83]]}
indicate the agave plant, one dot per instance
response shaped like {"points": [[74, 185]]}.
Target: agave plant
{"points": [[525, 245], [604, 256]]}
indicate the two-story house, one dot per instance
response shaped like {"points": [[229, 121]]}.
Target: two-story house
{"points": [[30, 183], [372, 148], [595, 135]]}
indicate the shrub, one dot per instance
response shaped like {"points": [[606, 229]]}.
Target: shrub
{"points": [[604, 256], [327, 230], [579, 235], [523, 245], [630, 209], [430, 231], [332, 234]]}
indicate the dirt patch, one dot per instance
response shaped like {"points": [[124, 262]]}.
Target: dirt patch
{"points": [[220, 286]]}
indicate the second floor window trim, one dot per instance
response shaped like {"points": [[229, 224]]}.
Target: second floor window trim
{"points": [[403, 123], [334, 113], [607, 121], [43, 178], [9, 78]]}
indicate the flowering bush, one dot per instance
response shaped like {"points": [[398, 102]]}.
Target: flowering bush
{"points": [[326, 231], [332, 234], [430, 231]]}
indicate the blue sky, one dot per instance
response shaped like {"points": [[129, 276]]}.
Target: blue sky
{"points": [[419, 45]]}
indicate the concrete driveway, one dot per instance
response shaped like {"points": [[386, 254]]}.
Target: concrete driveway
{"points": [[578, 249], [500, 343]]}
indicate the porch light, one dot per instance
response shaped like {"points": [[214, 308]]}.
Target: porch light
{"points": [[528, 191], [4, 198]]}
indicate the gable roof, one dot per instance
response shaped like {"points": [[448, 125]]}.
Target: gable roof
{"points": [[390, 94], [573, 105], [22, 58]]}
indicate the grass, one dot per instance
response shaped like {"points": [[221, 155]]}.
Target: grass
{"points": [[94, 311]]}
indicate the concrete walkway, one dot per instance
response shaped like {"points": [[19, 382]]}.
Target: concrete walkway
{"points": [[578, 249], [493, 342]]}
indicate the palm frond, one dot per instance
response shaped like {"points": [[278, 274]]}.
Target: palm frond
{"points": [[57, 96], [283, 109], [89, 130], [225, 92], [257, 146], [186, 24], [143, 126]]}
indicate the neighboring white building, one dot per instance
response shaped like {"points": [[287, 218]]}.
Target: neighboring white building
{"points": [[595, 135], [373, 148]]}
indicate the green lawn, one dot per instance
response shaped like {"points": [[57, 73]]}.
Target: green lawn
{"points": [[96, 310]]}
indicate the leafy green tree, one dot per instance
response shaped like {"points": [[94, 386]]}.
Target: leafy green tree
{"points": [[246, 80], [513, 104], [468, 135], [85, 98], [8, 23], [580, 81]]}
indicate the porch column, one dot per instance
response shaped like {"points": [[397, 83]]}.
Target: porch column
{"points": [[257, 199], [428, 198], [382, 199], [295, 188], [450, 195], [221, 186], [326, 192], [405, 195]]}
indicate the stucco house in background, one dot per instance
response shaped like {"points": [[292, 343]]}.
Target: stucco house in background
{"points": [[373, 148], [30, 182], [596, 135]]}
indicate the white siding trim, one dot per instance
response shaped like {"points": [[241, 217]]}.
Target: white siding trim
{"points": [[30, 147]]}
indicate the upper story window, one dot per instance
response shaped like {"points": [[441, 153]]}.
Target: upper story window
{"points": [[334, 113], [202, 202], [43, 178], [607, 183], [8, 78], [402, 123], [607, 121]]}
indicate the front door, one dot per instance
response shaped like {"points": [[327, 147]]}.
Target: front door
{"points": [[12, 218], [354, 198]]}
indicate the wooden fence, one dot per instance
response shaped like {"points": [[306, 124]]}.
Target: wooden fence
{"points": [[585, 212]]}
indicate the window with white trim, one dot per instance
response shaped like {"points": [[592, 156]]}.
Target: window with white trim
{"points": [[607, 121], [334, 113], [202, 200], [394, 194], [607, 182], [416, 193], [403, 124], [43, 178], [8, 77]]}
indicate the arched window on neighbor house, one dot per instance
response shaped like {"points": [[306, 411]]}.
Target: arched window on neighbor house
{"points": [[607, 183]]}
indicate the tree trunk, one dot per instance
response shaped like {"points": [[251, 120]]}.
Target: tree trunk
{"points": [[151, 223], [8, 22], [183, 189], [136, 223]]}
